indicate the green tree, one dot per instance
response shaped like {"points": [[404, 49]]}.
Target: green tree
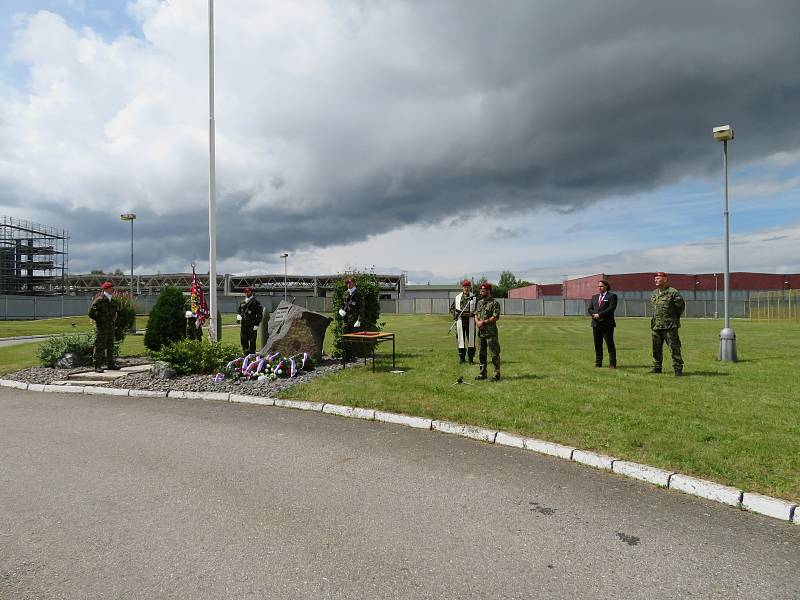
{"points": [[167, 322], [126, 315]]}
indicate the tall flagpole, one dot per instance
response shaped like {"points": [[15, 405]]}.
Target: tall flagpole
{"points": [[212, 185]]}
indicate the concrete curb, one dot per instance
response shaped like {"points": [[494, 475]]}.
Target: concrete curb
{"points": [[709, 490]]}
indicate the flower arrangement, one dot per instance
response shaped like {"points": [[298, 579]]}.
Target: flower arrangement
{"points": [[254, 367]]}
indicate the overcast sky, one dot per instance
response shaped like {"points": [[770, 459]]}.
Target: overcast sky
{"points": [[439, 138]]}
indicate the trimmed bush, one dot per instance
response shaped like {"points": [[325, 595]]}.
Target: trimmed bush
{"points": [[368, 284], [188, 357], [126, 315], [167, 322], [80, 344]]}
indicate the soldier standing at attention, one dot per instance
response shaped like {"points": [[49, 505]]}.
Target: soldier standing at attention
{"points": [[352, 307], [193, 332], [668, 306], [463, 310], [249, 317], [487, 312], [104, 314]]}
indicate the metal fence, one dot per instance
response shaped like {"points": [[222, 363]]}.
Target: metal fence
{"points": [[775, 305], [784, 307]]}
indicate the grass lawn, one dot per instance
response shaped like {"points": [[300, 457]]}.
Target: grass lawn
{"points": [[737, 424]]}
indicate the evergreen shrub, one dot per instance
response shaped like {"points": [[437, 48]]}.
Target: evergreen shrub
{"points": [[80, 344], [126, 315], [368, 284], [188, 357], [167, 321]]}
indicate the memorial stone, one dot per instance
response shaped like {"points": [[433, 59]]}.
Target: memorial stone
{"points": [[293, 329]]}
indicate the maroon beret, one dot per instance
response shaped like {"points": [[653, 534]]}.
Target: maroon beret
{"points": [[466, 283], [107, 285], [351, 280], [248, 289], [486, 285], [660, 274]]}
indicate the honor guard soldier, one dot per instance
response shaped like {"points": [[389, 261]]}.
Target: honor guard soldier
{"points": [[193, 332], [487, 312], [463, 310], [352, 309], [668, 306], [249, 317], [104, 314]]}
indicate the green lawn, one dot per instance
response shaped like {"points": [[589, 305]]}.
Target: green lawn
{"points": [[737, 424]]}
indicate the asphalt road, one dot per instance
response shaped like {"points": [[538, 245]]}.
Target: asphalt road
{"points": [[108, 497]]}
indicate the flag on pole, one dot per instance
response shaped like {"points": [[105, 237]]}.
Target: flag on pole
{"points": [[198, 300]]}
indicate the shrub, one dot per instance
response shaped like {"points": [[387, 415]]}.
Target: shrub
{"points": [[368, 284], [167, 322], [126, 315], [80, 344], [196, 356]]}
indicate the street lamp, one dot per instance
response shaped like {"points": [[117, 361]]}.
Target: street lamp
{"points": [[284, 256], [727, 337], [130, 217]]}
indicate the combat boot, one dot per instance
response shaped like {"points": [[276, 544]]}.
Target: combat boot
{"points": [[678, 372], [655, 370], [496, 377], [479, 377]]}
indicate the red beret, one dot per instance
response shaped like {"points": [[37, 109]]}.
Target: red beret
{"points": [[486, 285], [660, 274], [248, 289], [466, 282], [351, 280], [107, 285]]}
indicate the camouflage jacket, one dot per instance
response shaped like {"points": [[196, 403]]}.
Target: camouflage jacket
{"points": [[465, 304], [487, 307], [251, 312], [103, 312], [668, 306]]}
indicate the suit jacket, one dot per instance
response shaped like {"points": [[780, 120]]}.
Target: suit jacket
{"points": [[605, 310]]}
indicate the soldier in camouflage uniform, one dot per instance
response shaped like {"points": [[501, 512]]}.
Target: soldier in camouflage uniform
{"points": [[249, 317], [487, 312], [668, 306], [104, 314]]}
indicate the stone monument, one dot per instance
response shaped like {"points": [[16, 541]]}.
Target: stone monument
{"points": [[294, 329]]}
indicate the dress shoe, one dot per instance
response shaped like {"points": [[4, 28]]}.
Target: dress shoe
{"points": [[678, 372], [113, 367], [612, 366], [98, 370], [597, 365]]}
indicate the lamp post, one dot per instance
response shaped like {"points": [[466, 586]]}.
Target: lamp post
{"points": [[727, 337], [284, 256], [716, 312], [130, 217]]}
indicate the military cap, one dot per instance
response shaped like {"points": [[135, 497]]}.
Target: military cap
{"points": [[660, 274], [107, 285], [351, 280], [466, 283], [248, 289], [486, 285]]}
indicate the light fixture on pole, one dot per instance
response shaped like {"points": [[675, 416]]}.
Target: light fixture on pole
{"points": [[130, 217], [727, 337], [284, 256]]}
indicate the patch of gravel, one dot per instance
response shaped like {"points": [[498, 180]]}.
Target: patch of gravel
{"points": [[189, 383]]}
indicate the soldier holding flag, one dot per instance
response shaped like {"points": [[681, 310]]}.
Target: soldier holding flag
{"points": [[463, 310]]}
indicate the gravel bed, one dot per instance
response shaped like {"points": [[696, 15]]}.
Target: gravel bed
{"points": [[189, 383]]}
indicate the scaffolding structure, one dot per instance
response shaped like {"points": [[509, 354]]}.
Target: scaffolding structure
{"points": [[33, 258]]}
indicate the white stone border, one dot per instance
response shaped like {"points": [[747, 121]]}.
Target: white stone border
{"points": [[758, 503]]}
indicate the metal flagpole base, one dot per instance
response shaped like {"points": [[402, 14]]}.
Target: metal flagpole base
{"points": [[727, 345]]}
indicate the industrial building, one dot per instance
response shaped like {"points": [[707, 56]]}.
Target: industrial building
{"points": [[33, 258]]}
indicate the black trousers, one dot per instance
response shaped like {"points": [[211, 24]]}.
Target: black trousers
{"points": [[607, 334], [248, 337]]}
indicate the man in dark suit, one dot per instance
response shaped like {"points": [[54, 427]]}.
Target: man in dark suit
{"points": [[601, 309]]}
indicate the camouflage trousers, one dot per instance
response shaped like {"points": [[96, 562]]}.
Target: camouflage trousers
{"points": [[493, 345], [104, 347], [673, 340], [247, 337]]}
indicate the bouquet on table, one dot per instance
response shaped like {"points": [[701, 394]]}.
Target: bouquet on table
{"points": [[255, 367]]}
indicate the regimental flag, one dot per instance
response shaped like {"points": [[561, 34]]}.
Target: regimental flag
{"points": [[198, 300]]}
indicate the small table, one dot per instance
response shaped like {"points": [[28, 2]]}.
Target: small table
{"points": [[368, 337]]}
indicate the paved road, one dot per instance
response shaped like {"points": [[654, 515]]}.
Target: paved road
{"points": [[107, 497]]}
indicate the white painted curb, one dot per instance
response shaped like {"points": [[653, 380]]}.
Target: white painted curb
{"points": [[475, 433], [19, 385], [147, 394], [647, 473], [300, 405], [349, 411], [35, 387], [549, 448], [408, 421], [106, 391], [765, 505], [67, 389], [706, 489], [245, 399], [796, 519], [507, 439], [599, 461]]}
